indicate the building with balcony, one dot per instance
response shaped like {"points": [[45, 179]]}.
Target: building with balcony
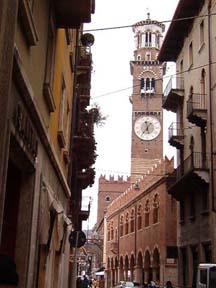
{"points": [[42, 168], [190, 44]]}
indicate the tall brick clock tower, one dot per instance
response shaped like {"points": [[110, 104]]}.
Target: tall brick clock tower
{"points": [[147, 115]]}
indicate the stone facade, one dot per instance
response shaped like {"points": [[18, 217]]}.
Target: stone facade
{"points": [[37, 73], [191, 97], [141, 231]]}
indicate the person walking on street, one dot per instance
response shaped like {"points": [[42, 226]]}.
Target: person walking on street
{"points": [[168, 284]]}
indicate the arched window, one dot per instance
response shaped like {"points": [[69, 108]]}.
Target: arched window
{"points": [[132, 222], [111, 232], [157, 40], [147, 86], [155, 209], [139, 40], [148, 56], [127, 224], [147, 212], [138, 57], [203, 88], [108, 232], [139, 217], [121, 226], [116, 234], [107, 198], [148, 39], [152, 83]]}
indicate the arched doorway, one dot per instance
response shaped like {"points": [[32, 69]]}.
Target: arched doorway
{"points": [[121, 269], [139, 275], [132, 264], [156, 265], [147, 267], [116, 271], [126, 268]]}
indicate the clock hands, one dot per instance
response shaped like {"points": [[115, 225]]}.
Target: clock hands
{"points": [[147, 126]]}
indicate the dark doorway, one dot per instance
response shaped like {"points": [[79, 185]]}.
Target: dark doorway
{"points": [[11, 206]]}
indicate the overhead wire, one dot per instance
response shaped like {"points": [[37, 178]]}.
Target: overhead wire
{"points": [[141, 24], [158, 79]]}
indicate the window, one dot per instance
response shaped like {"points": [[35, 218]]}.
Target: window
{"points": [[121, 226], [157, 40], [127, 224], [62, 115], [203, 89], [108, 233], [147, 86], [201, 33], [132, 222], [139, 218], [111, 232], [148, 39], [155, 209], [191, 54], [147, 212], [49, 72], [27, 21], [139, 40], [138, 57], [107, 199], [148, 56]]}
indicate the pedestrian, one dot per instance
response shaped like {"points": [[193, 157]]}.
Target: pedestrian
{"points": [[168, 284], [85, 282], [94, 283], [79, 282]]}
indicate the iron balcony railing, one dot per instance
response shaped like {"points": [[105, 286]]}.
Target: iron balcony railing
{"points": [[173, 83], [196, 102], [195, 161], [175, 130]]}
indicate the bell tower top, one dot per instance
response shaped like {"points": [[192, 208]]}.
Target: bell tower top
{"points": [[148, 34], [146, 99]]}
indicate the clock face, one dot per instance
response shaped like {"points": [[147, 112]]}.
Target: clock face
{"points": [[147, 127]]}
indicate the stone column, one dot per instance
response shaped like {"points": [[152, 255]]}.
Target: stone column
{"points": [[154, 274], [146, 275], [8, 20], [138, 274], [120, 274]]}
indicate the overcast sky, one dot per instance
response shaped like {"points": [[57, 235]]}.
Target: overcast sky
{"points": [[112, 83]]}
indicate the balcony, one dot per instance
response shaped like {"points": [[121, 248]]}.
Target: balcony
{"points": [[197, 109], [193, 170], [84, 215], [176, 135], [114, 247], [85, 59], [172, 96], [86, 178], [72, 13]]}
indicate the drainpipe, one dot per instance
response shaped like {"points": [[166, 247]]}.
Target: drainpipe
{"points": [[211, 113]]}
